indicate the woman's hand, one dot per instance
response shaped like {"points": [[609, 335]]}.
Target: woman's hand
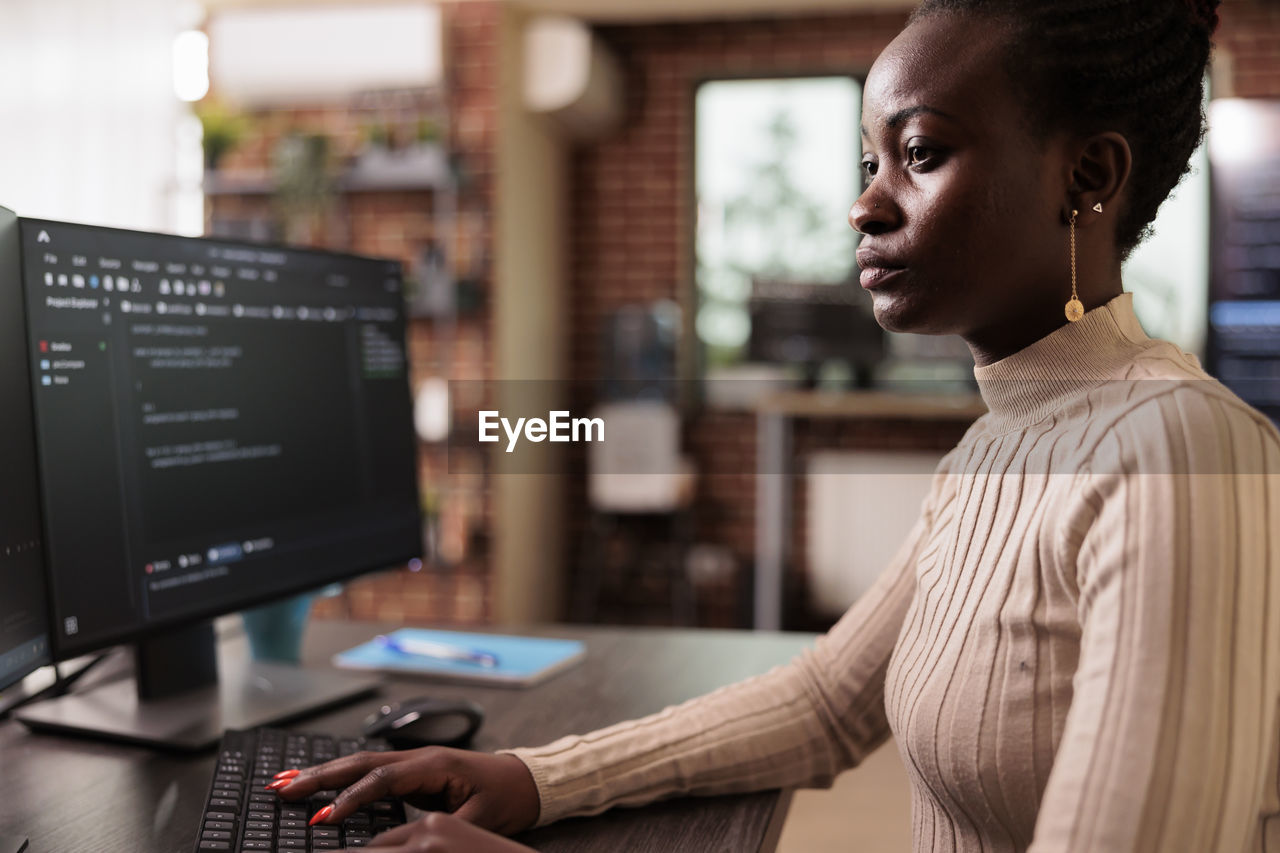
{"points": [[442, 833], [496, 792]]}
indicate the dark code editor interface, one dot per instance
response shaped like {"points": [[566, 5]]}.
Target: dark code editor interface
{"points": [[216, 422]]}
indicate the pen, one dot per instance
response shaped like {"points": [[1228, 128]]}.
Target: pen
{"points": [[440, 651]]}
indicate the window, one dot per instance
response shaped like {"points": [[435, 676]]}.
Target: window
{"points": [[1169, 272], [775, 176]]}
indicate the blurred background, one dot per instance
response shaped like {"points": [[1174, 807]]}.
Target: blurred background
{"points": [[636, 206], [641, 204], [627, 206]]}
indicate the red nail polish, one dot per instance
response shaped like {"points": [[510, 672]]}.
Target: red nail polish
{"points": [[321, 815], [287, 774], [278, 784]]}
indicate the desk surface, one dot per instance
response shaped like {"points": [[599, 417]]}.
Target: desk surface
{"points": [[72, 795]]}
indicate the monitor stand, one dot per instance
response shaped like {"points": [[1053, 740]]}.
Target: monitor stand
{"points": [[176, 699]]}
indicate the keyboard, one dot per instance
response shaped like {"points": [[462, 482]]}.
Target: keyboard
{"points": [[240, 816]]}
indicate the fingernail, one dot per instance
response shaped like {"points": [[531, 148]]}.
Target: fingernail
{"points": [[279, 783], [321, 815], [287, 774]]}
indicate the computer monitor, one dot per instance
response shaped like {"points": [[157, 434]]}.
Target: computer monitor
{"points": [[218, 425], [807, 324], [24, 635]]}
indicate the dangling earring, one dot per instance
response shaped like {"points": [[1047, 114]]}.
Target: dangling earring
{"points": [[1074, 309]]}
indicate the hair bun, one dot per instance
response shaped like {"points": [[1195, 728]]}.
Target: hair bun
{"points": [[1204, 13]]}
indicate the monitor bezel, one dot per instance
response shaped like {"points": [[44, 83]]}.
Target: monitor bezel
{"points": [[60, 649], [11, 262]]}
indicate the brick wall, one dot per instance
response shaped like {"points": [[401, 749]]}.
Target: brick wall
{"points": [[398, 224], [459, 593], [1249, 39]]}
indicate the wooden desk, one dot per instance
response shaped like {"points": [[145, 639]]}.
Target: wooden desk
{"points": [[77, 796]]}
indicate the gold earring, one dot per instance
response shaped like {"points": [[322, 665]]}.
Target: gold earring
{"points": [[1097, 208], [1074, 309]]}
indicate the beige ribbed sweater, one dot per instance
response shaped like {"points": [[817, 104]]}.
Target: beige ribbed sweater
{"points": [[1077, 648]]}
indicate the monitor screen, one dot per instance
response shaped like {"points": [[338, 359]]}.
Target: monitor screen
{"points": [[218, 424], [24, 641]]}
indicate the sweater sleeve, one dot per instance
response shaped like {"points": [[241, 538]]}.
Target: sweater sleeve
{"points": [[796, 725], [1170, 741]]}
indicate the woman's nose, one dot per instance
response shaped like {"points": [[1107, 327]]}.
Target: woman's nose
{"points": [[872, 214]]}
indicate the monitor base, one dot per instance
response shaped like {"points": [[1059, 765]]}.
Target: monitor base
{"points": [[248, 694]]}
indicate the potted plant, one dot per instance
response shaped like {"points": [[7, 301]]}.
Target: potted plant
{"points": [[223, 131], [304, 186]]}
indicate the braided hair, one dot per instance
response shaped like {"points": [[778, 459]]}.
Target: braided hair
{"points": [[1131, 66]]}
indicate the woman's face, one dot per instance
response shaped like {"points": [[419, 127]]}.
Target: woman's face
{"points": [[963, 212]]}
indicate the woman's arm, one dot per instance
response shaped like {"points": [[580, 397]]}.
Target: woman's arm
{"points": [[1171, 740], [797, 725]]}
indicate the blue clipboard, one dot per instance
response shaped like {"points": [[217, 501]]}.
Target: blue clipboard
{"points": [[522, 661]]}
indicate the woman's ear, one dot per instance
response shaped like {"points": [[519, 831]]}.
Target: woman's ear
{"points": [[1099, 175]]}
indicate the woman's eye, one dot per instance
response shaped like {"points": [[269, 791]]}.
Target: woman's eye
{"points": [[868, 170], [918, 154]]}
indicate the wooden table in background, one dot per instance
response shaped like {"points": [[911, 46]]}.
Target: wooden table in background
{"points": [[78, 796], [774, 416]]}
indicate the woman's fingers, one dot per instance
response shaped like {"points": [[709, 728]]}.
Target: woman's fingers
{"points": [[385, 780], [332, 774], [493, 791]]}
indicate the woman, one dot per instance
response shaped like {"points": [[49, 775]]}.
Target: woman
{"points": [[1078, 646]]}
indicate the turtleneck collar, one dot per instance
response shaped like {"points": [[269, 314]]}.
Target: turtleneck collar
{"points": [[1022, 386]]}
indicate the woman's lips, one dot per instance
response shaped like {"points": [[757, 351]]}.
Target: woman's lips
{"points": [[873, 277]]}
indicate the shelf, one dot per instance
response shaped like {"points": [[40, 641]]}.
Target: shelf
{"points": [[237, 183], [424, 169]]}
